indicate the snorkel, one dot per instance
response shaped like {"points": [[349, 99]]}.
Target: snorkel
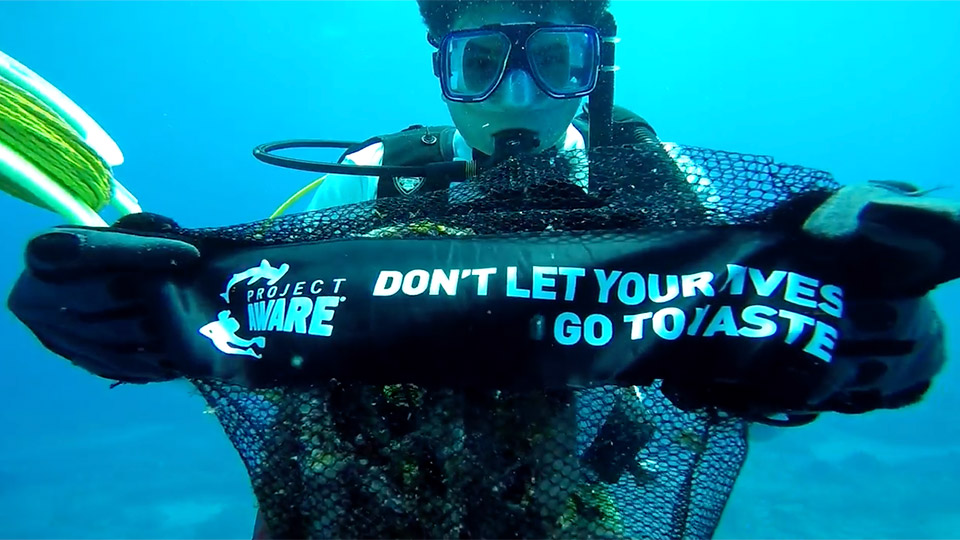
{"points": [[508, 143], [600, 105]]}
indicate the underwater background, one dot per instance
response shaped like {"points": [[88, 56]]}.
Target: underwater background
{"points": [[864, 90]]}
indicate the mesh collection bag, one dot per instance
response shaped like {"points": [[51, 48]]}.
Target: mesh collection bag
{"points": [[352, 460]]}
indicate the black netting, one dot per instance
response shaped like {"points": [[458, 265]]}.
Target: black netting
{"points": [[632, 188], [360, 461]]}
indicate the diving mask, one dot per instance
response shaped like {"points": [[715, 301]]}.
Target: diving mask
{"points": [[563, 60]]}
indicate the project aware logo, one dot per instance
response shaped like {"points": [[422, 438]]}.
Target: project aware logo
{"points": [[223, 331]]}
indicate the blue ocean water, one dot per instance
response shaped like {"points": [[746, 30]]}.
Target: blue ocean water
{"points": [[864, 90]]}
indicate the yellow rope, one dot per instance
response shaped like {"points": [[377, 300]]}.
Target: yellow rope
{"points": [[40, 136], [287, 204], [297, 196]]}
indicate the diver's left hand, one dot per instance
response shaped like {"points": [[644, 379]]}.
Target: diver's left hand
{"points": [[915, 236], [891, 338]]}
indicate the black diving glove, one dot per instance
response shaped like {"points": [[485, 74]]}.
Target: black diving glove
{"points": [[893, 338], [890, 244], [917, 236], [86, 294]]}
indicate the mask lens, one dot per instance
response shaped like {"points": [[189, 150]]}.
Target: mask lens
{"points": [[564, 60], [475, 63]]}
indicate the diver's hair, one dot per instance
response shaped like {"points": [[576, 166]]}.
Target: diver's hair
{"points": [[439, 15]]}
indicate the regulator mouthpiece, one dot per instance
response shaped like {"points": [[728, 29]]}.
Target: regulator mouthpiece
{"points": [[512, 142]]}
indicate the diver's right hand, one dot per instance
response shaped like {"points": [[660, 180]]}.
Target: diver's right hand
{"points": [[87, 294]]}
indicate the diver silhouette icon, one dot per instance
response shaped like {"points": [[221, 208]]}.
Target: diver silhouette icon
{"points": [[223, 334]]}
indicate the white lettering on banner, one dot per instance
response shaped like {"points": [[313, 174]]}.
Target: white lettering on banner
{"points": [[754, 321], [514, 290], [566, 330], [832, 301], [606, 282], [759, 318], [543, 282], [700, 281], [672, 329], [300, 307], [570, 286], [595, 330], [438, 282], [799, 289], [670, 300], [636, 324], [823, 341], [301, 316], [631, 290]]}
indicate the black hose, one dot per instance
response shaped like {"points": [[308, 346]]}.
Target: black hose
{"points": [[453, 171]]}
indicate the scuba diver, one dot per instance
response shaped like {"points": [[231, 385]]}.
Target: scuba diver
{"points": [[514, 76]]}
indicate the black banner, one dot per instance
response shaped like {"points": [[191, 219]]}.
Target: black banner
{"points": [[512, 313]]}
